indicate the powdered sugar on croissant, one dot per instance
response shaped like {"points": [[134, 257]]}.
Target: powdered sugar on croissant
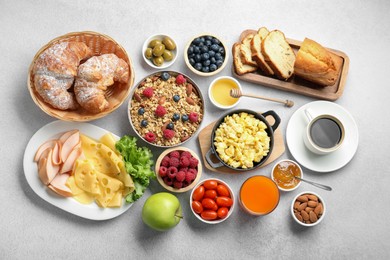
{"points": [[54, 72], [95, 76]]}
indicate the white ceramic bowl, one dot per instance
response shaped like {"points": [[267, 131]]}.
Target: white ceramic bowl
{"points": [[224, 92], [160, 37], [298, 183], [200, 73], [308, 224], [217, 221]]}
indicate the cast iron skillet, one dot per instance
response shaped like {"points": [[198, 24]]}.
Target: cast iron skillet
{"points": [[270, 132]]}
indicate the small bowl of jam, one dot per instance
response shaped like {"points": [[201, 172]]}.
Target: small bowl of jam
{"points": [[284, 173]]}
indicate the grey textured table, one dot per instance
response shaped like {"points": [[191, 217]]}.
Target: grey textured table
{"points": [[357, 222]]}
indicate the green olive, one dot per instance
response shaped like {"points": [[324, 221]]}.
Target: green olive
{"points": [[167, 55], [154, 43], [159, 49], [158, 61], [169, 43], [148, 53]]}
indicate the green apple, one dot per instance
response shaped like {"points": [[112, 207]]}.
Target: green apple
{"points": [[162, 211]]}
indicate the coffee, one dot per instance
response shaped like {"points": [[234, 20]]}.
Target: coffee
{"points": [[325, 132]]}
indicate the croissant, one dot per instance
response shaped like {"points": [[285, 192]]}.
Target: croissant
{"points": [[95, 76], [54, 72]]}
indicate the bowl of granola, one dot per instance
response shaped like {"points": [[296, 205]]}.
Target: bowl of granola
{"points": [[166, 109]]}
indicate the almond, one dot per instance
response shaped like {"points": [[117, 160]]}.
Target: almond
{"points": [[188, 89], [161, 101], [312, 197], [183, 138], [303, 198], [296, 204], [137, 97], [302, 206], [312, 203], [299, 216], [318, 210], [308, 209], [190, 101], [313, 216], [305, 215]]}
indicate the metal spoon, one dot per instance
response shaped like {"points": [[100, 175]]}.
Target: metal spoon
{"points": [[325, 187]]}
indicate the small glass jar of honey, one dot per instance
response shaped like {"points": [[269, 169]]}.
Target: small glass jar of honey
{"points": [[284, 173]]}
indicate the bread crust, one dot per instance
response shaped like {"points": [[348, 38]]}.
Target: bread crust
{"points": [[239, 67], [257, 55]]}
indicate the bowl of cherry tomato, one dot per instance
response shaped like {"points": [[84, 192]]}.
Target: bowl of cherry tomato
{"points": [[212, 201]]}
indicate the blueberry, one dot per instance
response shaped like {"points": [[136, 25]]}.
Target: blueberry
{"points": [[221, 50], [206, 63], [198, 66], [205, 56], [219, 63], [206, 69], [196, 50], [202, 39], [209, 37], [201, 44], [218, 56], [204, 49], [213, 60], [144, 123], [141, 111], [213, 67], [190, 50], [191, 55], [170, 126], [198, 58], [208, 42], [175, 117], [215, 47], [215, 41], [165, 76], [184, 118], [192, 61], [211, 53], [176, 98], [196, 41]]}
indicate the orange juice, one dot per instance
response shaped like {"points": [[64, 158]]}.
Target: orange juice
{"points": [[259, 195], [220, 92]]}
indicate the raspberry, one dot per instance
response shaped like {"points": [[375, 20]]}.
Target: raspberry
{"points": [[193, 117], [180, 176], [184, 161], [150, 137], [162, 171], [171, 172], [168, 134], [160, 111], [177, 184], [168, 181], [165, 161], [193, 171], [189, 177], [193, 162], [180, 79], [148, 92], [174, 162], [175, 154], [186, 154], [183, 169], [185, 184]]}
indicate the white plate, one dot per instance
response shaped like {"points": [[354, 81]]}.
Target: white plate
{"points": [[50, 131], [322, 163]]}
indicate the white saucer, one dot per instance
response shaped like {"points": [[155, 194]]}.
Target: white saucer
{"points": [[322, 163]]}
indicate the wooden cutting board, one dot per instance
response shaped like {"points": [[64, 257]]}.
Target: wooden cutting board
{"points": [[204, 139]]}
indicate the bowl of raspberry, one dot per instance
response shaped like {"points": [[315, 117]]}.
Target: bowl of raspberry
{"points": [[178, 169], [166, 109]]}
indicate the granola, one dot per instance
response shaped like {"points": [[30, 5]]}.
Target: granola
{"points": [[166, 109]]}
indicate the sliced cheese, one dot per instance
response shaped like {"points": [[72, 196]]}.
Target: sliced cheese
{"points": [[108, 189], [86, 177], [78, 194]]}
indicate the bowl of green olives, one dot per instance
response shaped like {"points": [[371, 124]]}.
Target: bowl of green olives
{"points": [[205, 55], [159, 51]]}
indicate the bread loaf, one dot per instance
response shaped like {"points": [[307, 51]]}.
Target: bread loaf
{"points": [[278, 54], [246, 52], [257, 55], [316, 64], [239, 66]]}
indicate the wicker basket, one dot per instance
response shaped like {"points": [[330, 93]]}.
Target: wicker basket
{"points": [[99, 44]]}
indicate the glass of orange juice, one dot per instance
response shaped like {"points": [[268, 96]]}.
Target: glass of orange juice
{"points": [[259, 195]]}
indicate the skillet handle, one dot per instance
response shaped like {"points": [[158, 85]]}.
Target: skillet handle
{"points": [[210, 162], [275, 117]]}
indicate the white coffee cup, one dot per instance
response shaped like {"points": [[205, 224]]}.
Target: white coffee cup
{"points": [[324, 133]]}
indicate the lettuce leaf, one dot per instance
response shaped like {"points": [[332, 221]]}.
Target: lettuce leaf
{"points": [[138, 163]]}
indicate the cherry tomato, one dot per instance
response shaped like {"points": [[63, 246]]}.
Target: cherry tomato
{"points": [[212, 194], [224, 201], [222, 190], [208, 203], [222, 212], [209, 215], [198, 193], [210, 185], [197, 206]]}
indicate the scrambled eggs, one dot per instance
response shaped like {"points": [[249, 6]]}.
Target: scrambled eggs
{"points": [[241, 140]]}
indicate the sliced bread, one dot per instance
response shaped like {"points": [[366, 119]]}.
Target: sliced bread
{"points": [[239, 66], [245, 49], [278, 54], [257, 55]]}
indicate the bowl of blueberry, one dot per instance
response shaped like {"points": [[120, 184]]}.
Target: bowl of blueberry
{"points": [[206, 55], [166, 109]]}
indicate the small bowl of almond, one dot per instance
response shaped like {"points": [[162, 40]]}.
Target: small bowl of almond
{"points": [[308, 209]]}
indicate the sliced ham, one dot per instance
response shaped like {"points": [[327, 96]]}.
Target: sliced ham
{"points": [[67, 166], [69, 144], [66, 135], [56, 158], [46, 169], [58, 185], [46, 145]]}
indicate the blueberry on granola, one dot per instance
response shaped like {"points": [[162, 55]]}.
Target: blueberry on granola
{"points": [[176, 117], [184, 118], [170, 126], [176, 98], [144, 123], [141, 111], [165, 76]]}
